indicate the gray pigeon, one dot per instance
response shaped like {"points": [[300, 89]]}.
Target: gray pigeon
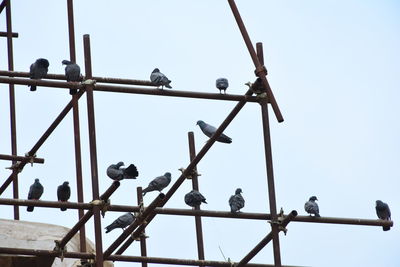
{"points": [[236, 201], [383, 212], [209, 130], [159, 79], [158, 184], [38, 70], [222, 84], [115, 172], [312, 207], [194, 198], [63, 193], [35, 192], [121, 222], [72, 73]]}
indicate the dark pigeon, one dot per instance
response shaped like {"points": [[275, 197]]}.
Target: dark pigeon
{"points": [[115, 172], [194, 198], [72, 73], [158, 184], [159, 79], [63, 193], [121, 222], [236, 201], [38, 70], [209, 130], [312, 207], [222, 84], [383, 212], [35, 192]]}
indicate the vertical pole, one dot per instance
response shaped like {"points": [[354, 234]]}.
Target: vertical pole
{"points": [[12, 105], [143, 248], [195, 184], [270, 171], [93, 151], [77, 139]]}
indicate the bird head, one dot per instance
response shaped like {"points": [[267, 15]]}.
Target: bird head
{"points": [[168, 175], [238, 191], [313, 198], [121, 163], [66, 62], [37, 180], [200, 123], [379, 203], [65, 183], [43, 62], [155, 70]]}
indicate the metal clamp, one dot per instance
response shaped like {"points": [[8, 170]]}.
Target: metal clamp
{"points": [[191, 174], [89, 82], [15, 167], [261, 71], [59, 249]]}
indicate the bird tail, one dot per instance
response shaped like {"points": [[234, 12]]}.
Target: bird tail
{"points": [[131, 172], [386, 228], [73, 91], [33, 87], [168, 86], [63, 209], [30, 208], [317, 215], [224, 139]]}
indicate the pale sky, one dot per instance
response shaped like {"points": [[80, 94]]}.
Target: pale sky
{"points": [[333, 67]]}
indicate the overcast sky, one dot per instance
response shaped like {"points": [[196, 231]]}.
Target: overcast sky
{"points": [[333, 67]]}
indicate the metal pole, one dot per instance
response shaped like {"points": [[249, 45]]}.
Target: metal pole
{"points": [[270, 171], [265, 241], [195, 185], [77, 138], [143, 249], [260, 71], [12, 105], [20, 158], [93, 151], [4, 34], [39, 143]]}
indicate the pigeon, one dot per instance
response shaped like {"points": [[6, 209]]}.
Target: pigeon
{"points": [[159, 79], [383, 212], [115, 172], [222, 84], [312, 207], [35, 192], [158, 184], [63, 193], [72, 73], [38, 70], [236, 201], [194, 198], [257, 87], [209, 130], [121, 222]]}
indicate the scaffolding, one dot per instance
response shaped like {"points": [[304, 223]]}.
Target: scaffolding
{"points": [[100, 204]]}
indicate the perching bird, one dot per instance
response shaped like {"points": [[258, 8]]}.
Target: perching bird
{"points": [[158, 184], [312, 207], [383, 212], [194, 198], [72, 73], [209, 130], [159, 79], [115, 172], [236, 201], [222, 84], [38, 70], [63, 193], [35, 192], [121, 222]]}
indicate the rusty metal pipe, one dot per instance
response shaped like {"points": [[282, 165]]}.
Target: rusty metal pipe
{"points": [[265, 240], [4, 34], [45, 204], [195, 186], [20, 158], [256, 62], [138, 221], [42, 252], [143, 248]]}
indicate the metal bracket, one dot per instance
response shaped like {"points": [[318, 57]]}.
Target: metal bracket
{"points": [[192, 173], [278, 222], [31, 158], [261, 71], [89, 82], [15, 167], [60, 249]]}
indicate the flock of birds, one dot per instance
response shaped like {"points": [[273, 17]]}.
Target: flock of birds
{"points": [[39, 69]]}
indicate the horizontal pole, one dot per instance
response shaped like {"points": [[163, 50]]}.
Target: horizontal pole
{"points": [[187, 262], [350, 221], [46, 204], [43, 252], [20, 158], [4, 34], [129, 89]]}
